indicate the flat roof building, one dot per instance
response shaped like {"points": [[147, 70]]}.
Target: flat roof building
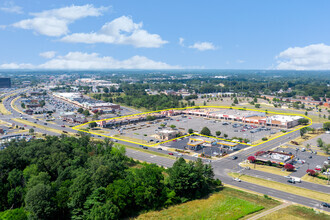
{"points": [[5, 83]]}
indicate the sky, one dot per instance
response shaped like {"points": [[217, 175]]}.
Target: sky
{"points": [[172, 34]]}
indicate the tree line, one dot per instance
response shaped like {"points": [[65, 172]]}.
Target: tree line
{"points": [[76, 178]]}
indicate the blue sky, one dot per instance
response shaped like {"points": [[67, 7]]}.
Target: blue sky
{"points": [[134, 34]]}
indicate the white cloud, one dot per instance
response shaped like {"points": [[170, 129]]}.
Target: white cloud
{"points": [[55, 22], [90, 61], [240, 61], [312, 57], [202, 46], [16, 66], [181, 41], [10, 7], [121, 30], [47, 54]]}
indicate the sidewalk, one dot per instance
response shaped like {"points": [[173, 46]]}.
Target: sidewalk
{"points": [[285, 204]]}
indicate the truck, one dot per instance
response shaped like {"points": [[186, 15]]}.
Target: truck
{"points": [[296, 179]]}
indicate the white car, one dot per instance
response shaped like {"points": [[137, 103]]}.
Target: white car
{"points": [[237, 179], [318, 166]]}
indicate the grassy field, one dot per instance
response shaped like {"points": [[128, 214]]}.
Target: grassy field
{"points": [[284, 187], [311, 179], [294, 212], [268, 169], [147, 151], [226, 204], [3, 110]]}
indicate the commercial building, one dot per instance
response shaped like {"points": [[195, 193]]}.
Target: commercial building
{"points": [[251, 117], [167, 134], [5, 83]]}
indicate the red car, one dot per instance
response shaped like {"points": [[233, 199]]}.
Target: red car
{"points": [[174, 140], [317, 169], [170, 153], [63, 126]]}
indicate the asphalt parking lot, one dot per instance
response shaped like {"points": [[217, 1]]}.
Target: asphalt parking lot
{"points": [[306, 160], [147, 130]]}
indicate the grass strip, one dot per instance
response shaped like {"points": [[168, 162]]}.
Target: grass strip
{"points": [[226, 204], [296, 212], [284, 187]]}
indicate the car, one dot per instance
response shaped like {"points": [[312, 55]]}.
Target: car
{"points": [[63, 126], [294, 142], [234, 157], [318, 169], [324, 204], [289, 177], [235, 130], [291, 181], [328, 158], [170, 153], [179, 154], [146, 148], [174, 140], [45, 123], [237, 179], [310, 157], [326, 162], [160, 148], [140, 145], [318, 166]]}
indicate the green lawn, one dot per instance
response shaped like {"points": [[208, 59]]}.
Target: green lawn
{"points": [[226, 204]]}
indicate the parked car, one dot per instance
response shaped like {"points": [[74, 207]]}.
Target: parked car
{"points": [[144, 147], [63, 126], [179, 154], [160, 148], [170, 153], [234, 157]]}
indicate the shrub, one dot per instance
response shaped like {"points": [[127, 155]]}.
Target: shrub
{"points": [[311, 172], [251, 159], [264, 139], [289, 167], [259, 153]]}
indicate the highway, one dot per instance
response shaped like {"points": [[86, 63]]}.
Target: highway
{"points": [[221, 167]]}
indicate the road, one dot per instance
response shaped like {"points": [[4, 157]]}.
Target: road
{"points": [[221, 167]]}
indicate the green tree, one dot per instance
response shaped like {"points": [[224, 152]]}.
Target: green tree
{"points": [[190, 131], [302, 131], [172, 126], [326, 126], [31, 130], [303, 121], [320, 143], [86, 113], [218, 133], [80, 110], [39, 202], [106, 90], [92, 124], [257, 105], [225, 135], [23, 105], [206, 131]]}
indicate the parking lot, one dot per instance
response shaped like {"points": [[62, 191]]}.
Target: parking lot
{"points": [[147, 130], [304, 160]]}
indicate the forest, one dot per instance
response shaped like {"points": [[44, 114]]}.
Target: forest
{"points": [[77, 178]]}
